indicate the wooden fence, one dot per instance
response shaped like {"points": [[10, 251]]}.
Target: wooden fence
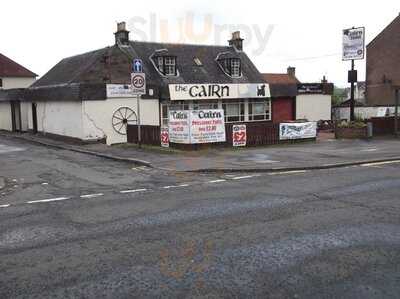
{"points": [[149, 134], [382, 125], [258, 133]]}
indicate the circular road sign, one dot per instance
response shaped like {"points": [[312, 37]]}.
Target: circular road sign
{"points": [[138, 81]]}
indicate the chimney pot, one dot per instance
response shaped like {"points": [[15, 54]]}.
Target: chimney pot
{"points": [[121, 26], [291, 71], [122, 35], [236, 41]]}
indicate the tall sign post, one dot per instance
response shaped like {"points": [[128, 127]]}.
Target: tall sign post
{"points": [[396, 112], [138, 85], [353, 49]]}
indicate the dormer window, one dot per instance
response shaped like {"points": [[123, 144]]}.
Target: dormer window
{"points": [[166, 65], [232, 66], [235, 67]]}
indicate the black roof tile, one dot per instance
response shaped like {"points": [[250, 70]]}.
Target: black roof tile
{"points": [[113, 65]]}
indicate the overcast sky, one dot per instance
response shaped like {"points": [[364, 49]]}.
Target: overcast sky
{"points": [[304, 34]]}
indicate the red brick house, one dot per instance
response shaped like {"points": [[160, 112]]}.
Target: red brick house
{"points": [[283, 89], [383, 65]]}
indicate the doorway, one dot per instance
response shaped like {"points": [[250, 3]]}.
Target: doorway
{"points": [[34, 118], [16, 116]]}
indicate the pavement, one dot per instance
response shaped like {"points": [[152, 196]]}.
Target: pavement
{"points": [[324, 153], [74, 225]]}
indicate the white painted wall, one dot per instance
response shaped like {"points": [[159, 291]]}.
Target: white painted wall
{"points": [[5, 116], [58, 117], [14, 82], [313, 107], [362, 112], [25, 108], [97, 117]]}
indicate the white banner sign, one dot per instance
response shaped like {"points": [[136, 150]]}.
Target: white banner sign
{"points": [[353, 43], [179, 126], [239, 135], [197, 126], [207, 126], [218, 91], [297, 130], [118, 91]]}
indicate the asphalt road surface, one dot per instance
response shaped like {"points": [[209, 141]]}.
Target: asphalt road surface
{"points": [[77, 226]]}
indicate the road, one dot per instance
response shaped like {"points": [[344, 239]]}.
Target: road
{"points": [[77, 226]]}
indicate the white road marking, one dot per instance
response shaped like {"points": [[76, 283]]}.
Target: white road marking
{"points": [[92, 195], [369, 150], [288, 172], [48, 200], [268, 161], [4, 206], [176, 186], [217, 181], [242, 177], [379, 163], [169, 187], [44, 184], [132, 191]]}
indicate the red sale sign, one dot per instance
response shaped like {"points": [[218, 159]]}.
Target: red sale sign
{"points": [[239, 135], [164, 137]]}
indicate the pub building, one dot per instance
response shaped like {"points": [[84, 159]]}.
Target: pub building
{"points": [[88, 97]]}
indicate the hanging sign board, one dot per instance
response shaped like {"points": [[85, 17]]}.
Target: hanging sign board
{"points": [[353, 43], [239, 135], [304, 130], [197, 126], [218, 91]]}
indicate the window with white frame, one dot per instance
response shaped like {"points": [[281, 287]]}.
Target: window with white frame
{"points": [[235, 68], [166, 107], [259, 110], [232, 66], [170, 66], [166, 65], [234, 111]]}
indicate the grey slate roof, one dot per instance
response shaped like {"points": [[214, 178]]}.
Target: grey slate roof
{"points": [[9, 95], [113, 65]]}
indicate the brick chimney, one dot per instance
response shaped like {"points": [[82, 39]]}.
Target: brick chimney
{"points": [[236, 41], [122, 35], [324, 80], [291, 71]]}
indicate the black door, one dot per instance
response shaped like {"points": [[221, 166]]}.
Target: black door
{"points": [[16, 116], [34, 118]]}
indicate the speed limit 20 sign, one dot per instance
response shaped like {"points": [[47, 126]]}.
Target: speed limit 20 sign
{"points": [[138, 83]]}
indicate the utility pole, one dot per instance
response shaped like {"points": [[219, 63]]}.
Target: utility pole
{"points": [[352, 79], [139, 140], [396, 112]]}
